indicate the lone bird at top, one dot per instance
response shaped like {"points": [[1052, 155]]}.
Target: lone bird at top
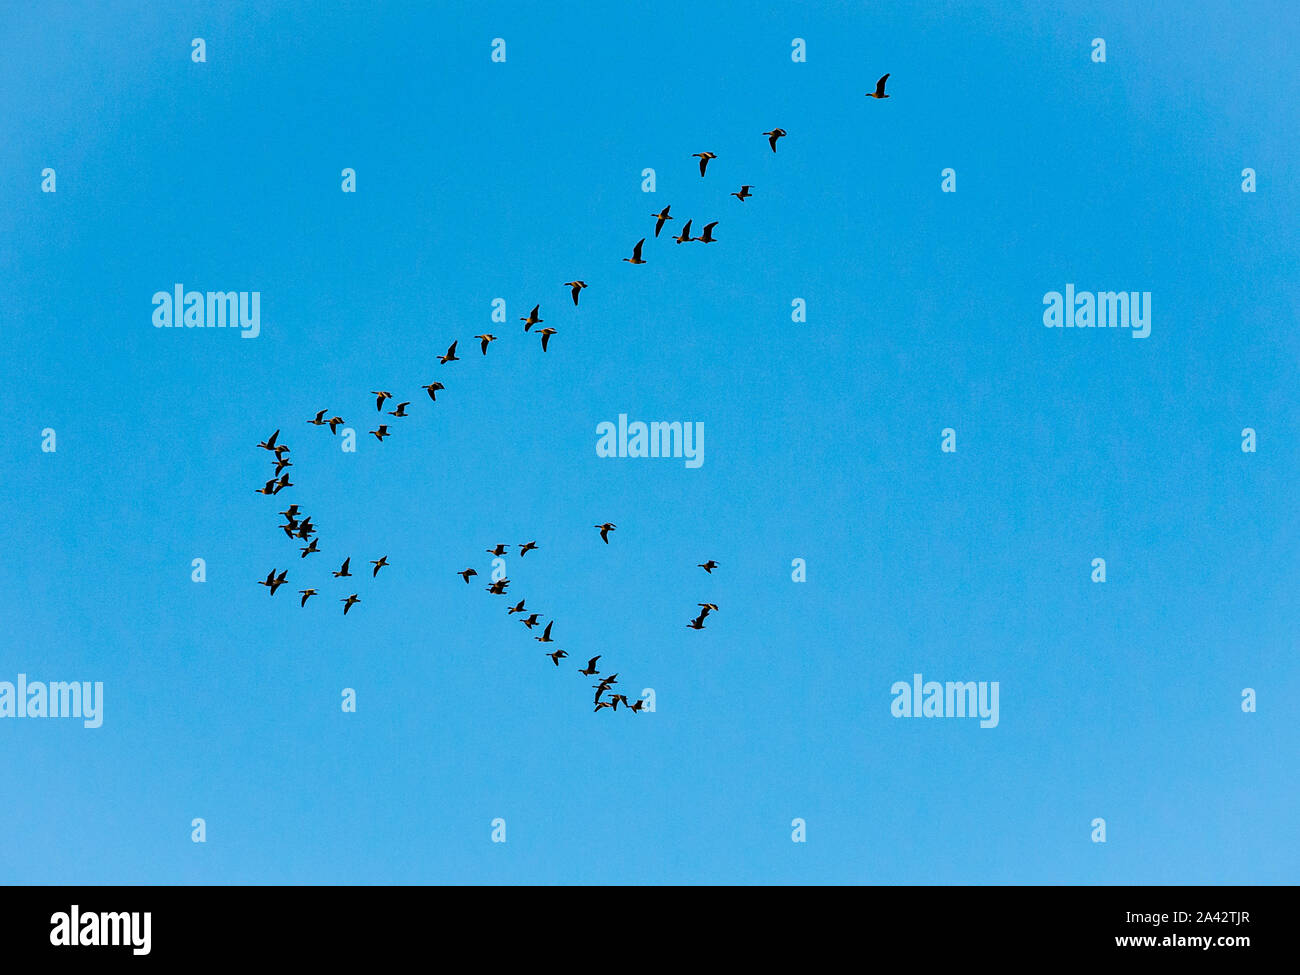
{"points": [[774, 135], [636, 253], [708, 566], [704, 158], [662, 216], [880, 88], [605, 529], [576, 286]]}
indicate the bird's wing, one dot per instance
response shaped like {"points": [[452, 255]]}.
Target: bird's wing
{"points": [[880, 85]]}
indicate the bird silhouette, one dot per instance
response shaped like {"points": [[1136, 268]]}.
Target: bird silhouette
{"points": [[708, 566], [774, 135], [605, 529], [707, 237], [378, 564], [744, 193], [546, 334], [662, 216], [450, 356], [486, 337], [380, 396], [685, 235], [532, 318], [704, 158], [349, 602], [576, 286], [344, 572], [306, 595], [590, 670], [880, 88], [636, 253]]}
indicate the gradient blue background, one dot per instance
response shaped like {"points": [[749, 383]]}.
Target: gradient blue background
{"points": [[480, 180]]}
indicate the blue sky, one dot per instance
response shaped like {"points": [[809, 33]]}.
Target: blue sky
{"points": [[478, 180]]}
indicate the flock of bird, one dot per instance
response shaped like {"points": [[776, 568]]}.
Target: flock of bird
{"points": [[299, 526]]}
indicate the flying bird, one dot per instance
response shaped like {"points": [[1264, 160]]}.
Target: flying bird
{"points": [[281, 464], [546, 634], [880, 88], [306, 595], [498, 588], [274, 582], [381, 433], [268, 489], [343, 572], [432, 390], [518, 608], [557, 656], [546, 334], [775, 134], [708, 566], [499, 551], [269, 442], [708, 608], [349, 603], [320, 420], [662, 215], [532, 318], [636, 253], [334, 424], [744, 193], [530, 621], [465, 574], [290, 512], [704, 158], [685, 236], [309, 549], [380, 396], [486, 337], [605, 529], [449, 357], [576, 286], [591, 667], [707, 237], [283, 483], [525, 549], [602, 704], [401, 409], [378, 563], [697, 623], [634, 708]]}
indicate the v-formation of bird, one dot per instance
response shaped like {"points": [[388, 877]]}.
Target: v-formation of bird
{"points": [[303, 529]]}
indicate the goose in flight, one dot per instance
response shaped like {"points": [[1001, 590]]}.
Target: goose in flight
{"points": [[274, 582], [281, 464], [268, 489], [401, 409], [380, 396], [525, 549], [704, 158], [532, 318], [349, 603], [546, 634], [685, 235], [530, 621], [880, 88], [378, 563], [576, 286], [708, 608], [697, 623], [744, 193], [499, 551], [381, 433], [486, 337], [708, 566], [707, 237], [605, 529], [334, 422], [344, 572], [269, 442], [449, 357], [320, 420], [309, 549], [557, 656], [432, 390], [590, 670], [306, 595], [465, 574], [636, 253], [662, 215], [546, 334], [517, 608], [774, 135], [498, 588]]}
